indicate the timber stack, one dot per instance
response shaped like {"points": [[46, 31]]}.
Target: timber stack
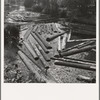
{"points": [[38, 49]]}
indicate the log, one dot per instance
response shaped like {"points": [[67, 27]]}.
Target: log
{"points": [[36, 27], [30, 67], [40, 43], [54, 27], [23, 29], [46, 44], [86, 79], [39, 30], [69, 35], [45, 56], [28, 32], [82, 40], [58, 28], [32, 52], [73, 47], [59, 44], [49, 27], [33, 47], [75, 65], [72, 52], [13, 18], [54, 37], [82, 60], [66, 38], [56, 54], [74, 61], [45, 28], [86, 44], [83, 44], [46, 66]]}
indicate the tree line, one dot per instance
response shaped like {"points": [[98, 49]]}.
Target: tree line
{"points": [[62, 8]]}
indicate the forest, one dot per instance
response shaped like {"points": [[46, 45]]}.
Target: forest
{"points": [[63, 8]]}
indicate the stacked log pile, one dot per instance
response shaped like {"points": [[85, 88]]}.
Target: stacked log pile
{"points": [[41, 53]]}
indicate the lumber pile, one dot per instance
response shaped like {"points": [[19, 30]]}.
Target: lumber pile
{"points": [[40, 47]]}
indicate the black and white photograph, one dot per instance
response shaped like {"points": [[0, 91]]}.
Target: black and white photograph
{"points": [[50, 41]]}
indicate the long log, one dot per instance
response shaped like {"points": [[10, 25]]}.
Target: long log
{"points": [[86, 79], [75, 46], [46, 44], [45, 56], [30, 67], [33, 47], [83, 44], [86, 44], [40, 43], [75, 65], [46, 66], [72, 52], [59, 43], [33, 53], [54, 37], [74, 61], [28, 32], [66, 38], [82, 40], [82, 60]]}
